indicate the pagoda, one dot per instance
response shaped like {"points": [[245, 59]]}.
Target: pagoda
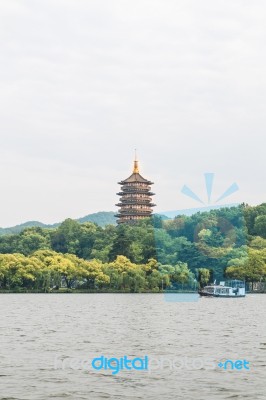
{"points": [[135, 202]]}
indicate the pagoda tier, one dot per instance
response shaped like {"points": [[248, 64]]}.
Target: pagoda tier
{"points": [[135, 202], [124, 204], [129, 192]]}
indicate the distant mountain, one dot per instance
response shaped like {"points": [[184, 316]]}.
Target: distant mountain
{"points": [[101, 218], [19, 228]]}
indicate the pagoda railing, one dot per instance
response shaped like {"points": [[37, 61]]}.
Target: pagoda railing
{"points": [[130, 188], [133, 212], [124, 206], [148, 193], [136, 200]]}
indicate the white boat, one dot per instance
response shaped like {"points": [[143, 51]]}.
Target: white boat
{"points": [[233, 288]]}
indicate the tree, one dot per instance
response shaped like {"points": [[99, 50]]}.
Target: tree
{"points": [[31, 242], [122, 242], [252, 269], [260, 226], [66, 238], [203, 276], [258, 243]]}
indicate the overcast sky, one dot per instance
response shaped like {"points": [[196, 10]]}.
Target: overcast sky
{"points": [[84, 82]]}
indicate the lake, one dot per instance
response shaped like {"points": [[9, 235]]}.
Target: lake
{"points": [[47, 343]]}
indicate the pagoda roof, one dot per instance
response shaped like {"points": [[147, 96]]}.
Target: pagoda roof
{"points": [[135, 177]]}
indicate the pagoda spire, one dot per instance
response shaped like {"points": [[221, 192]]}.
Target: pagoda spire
{"points": [[136, 164]]}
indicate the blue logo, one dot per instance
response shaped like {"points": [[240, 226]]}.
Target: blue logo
{"points": [[238, 364], [209, 177], [118, 364]]}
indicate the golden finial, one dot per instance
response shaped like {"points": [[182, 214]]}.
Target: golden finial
{"points": [[136, 166]]}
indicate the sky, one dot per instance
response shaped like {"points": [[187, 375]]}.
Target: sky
{"points": [[85, 82]]}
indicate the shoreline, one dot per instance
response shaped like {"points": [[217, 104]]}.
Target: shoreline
{"points": [[79, 291]]}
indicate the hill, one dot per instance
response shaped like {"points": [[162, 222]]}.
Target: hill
{"points": [[101, 218]]}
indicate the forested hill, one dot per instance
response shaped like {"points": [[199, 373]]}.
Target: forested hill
{"points": [[101, 218]]}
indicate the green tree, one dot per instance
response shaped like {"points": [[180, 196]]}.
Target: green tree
{"points": [[204, 275], [260, 226], [252, 269], [66, 238]]}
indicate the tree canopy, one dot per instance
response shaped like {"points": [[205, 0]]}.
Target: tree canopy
{"points": [[227, 242]]}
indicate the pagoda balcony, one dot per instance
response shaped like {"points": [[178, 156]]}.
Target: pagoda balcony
{"points": [[134, 201], [126, 208], [135, 196], [135, 190], [134, 212], [136, 187], [125, 192]]}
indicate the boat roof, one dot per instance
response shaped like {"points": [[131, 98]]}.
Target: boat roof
{"points": [[217, 286]]}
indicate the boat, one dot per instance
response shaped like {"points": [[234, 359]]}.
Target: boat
{"points": [[233, 288]]}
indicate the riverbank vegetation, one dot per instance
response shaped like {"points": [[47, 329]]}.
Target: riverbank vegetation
{"points": [[148, 256]]}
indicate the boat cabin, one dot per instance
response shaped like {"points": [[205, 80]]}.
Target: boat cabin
{"points": [[233, 288]]}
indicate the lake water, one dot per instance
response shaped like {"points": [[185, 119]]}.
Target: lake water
{"points": [[48, 341]]}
